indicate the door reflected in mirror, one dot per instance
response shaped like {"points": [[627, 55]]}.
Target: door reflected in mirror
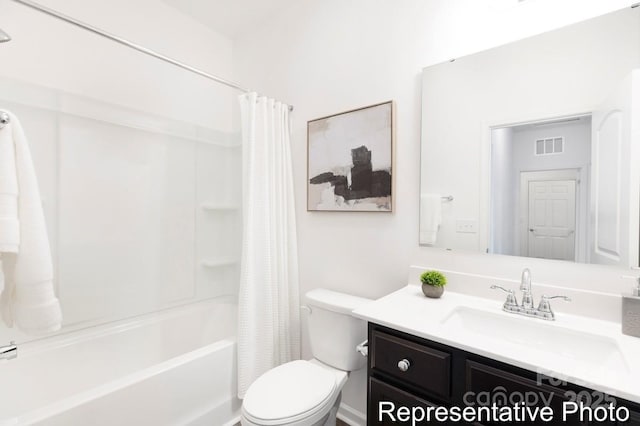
{"points": [[540, 189], [537, 142]]}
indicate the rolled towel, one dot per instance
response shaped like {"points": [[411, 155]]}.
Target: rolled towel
{"points": [[28, 299], [9, 226]]}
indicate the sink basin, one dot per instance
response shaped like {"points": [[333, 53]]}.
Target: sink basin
{"points": [[583, 350]]}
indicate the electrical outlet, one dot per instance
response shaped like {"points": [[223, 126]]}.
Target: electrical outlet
{"points": [[467, 226]]}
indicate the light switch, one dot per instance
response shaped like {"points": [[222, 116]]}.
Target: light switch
{"points": [[467, 226]]}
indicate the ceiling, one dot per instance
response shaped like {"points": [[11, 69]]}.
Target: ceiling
{"points": [[229, 17]]}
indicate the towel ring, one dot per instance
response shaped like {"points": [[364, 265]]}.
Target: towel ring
{"points": [[4, 119]]}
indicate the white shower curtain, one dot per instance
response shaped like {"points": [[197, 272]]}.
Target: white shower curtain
{"points": [[268, 304]]}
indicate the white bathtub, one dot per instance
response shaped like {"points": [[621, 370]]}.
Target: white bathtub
{"points": [[176, 367]]}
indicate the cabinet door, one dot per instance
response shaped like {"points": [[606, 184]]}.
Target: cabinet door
{"points": [[634, 420], [483, 379], [380, 392], [410, 362]]}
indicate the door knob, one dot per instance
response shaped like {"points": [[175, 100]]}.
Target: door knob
{"points": [[404, 364]]}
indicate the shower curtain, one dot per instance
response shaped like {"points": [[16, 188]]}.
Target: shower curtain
{"points": [[268, 301]]}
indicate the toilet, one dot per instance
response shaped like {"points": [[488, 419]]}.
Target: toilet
{"points": [[308, 393]]}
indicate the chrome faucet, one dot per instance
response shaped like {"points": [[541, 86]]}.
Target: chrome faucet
{"points": [[527, 308], [9, 351], [525, 287]]}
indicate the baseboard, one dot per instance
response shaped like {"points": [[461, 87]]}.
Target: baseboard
{"points": [[351, 416]]}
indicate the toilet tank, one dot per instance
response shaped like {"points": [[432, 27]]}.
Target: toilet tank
{"points": [[334, 333]]}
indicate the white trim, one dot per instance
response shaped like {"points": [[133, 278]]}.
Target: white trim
{"points": [[634, 175], [484, 192], [351, 416], [516, 121]]}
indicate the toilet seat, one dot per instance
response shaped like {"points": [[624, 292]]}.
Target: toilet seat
{"points": [[290, 393]]}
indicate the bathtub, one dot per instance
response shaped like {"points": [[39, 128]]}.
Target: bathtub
{"points": [[176, 367]]}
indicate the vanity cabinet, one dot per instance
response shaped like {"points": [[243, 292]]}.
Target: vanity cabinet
{"points": [[409, 371]]}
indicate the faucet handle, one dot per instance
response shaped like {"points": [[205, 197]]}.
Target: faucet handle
{"points": [[544, 308], [511, 301], [565, 298]]}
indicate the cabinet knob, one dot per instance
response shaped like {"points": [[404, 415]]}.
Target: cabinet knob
{"points": [[404, 364]]}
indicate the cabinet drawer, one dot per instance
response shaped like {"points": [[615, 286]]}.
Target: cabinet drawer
{"points": [[483, 378], [426, 367], [385, 393]]}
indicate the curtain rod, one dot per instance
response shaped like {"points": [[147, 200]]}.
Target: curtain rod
{"points": [[130, 44]]}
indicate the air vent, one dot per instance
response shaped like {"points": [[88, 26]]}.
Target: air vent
{"points": [[549, 146]]}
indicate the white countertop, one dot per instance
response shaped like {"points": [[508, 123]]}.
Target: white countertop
{"points": [[607, 360]]}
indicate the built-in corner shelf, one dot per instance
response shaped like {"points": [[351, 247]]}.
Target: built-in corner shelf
{"points": [[219, 207], [220, 261]]}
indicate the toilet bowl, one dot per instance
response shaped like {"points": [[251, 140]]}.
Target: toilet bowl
{"points": [[300, 393], [308, 393]]}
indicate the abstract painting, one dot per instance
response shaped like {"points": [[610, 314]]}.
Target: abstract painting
{"points": [[350, 156]]}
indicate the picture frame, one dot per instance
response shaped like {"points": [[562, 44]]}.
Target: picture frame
{"points": [[350, 157]]}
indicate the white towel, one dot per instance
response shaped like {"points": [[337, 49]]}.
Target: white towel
{"points": [[28, 299], [430, 217]]}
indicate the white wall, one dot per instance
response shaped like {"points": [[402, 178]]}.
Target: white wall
{"points": [[577, 146], [333, 55], [57, 55]]}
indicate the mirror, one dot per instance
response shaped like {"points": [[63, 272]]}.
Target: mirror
{"points": [[531, 149]]}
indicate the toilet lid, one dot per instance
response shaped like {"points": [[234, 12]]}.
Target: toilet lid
{"points": [[290, 390]]}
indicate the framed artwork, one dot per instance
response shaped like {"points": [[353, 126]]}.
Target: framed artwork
{"points": [[350, 159]]}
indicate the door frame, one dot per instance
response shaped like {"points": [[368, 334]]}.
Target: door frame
{"points": [[484, 225], [523, 217]]}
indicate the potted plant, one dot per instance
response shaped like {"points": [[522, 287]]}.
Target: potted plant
{"points": [[433, 283]]}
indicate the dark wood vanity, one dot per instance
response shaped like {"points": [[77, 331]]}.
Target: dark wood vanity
{"points": [[414, 372]]}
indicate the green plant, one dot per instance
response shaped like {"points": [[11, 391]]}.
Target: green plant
{"points": [[433, 278]]}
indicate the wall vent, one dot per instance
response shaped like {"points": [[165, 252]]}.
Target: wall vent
{"points": [[548, 146]]}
